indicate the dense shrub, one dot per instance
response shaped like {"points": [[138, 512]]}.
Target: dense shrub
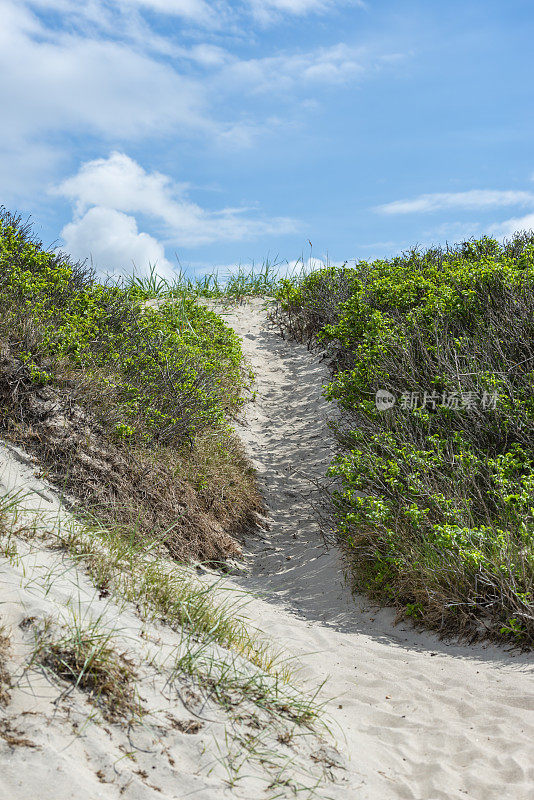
{"points": [[436, 503], [155, 372], [125, 402]]}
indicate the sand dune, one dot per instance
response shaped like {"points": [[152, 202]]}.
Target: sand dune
{"points": [[414, 717], [56, 745]]}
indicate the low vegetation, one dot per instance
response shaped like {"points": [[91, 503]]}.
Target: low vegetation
{"points": [[434, 498], [219, 658], [127, 403], [86, 658], [232, 286]]}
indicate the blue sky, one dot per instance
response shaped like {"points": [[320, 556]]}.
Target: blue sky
{"points": [[137, 131]]}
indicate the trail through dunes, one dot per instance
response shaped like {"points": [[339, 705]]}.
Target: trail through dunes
{"points": [[418, 718], [412, 717]]}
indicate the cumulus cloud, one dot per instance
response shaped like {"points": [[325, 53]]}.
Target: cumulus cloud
{"points": [[121, 183], [111, 240], [473, 199]]}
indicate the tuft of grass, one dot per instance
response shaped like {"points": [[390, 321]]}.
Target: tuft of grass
{"points": [[233, 286], [85, 657], [231, 684], [434, 504]]}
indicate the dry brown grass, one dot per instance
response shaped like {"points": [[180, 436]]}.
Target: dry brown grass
{"points": [[86, 658], [14, 737], [198, 501]]}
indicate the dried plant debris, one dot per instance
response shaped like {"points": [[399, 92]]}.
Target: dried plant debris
{"points": [[13, 736], [190, 726], [5, 677]]}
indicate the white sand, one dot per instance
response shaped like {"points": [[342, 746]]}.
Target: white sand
{"points": [[417, 718], [420, 718], [54, 745]]}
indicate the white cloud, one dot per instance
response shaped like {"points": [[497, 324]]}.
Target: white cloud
{"points": [[199, 12], [452, 231], [268, 11], [68, 82], [208, 55], [190, 9], [474, 199], [111, 240], [98, 10], [282, 73], [120, 183], [100, 74], [510, 226]]}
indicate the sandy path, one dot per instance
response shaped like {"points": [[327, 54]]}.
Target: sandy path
{"points": [[420, 718]]}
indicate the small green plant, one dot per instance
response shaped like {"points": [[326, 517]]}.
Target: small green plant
{"points": [[414, 610], [514, 627], [124, 431]]}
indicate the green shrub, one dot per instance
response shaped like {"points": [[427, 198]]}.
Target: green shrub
{"points": [[126, 403], [435, 504], [164, 373]]}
